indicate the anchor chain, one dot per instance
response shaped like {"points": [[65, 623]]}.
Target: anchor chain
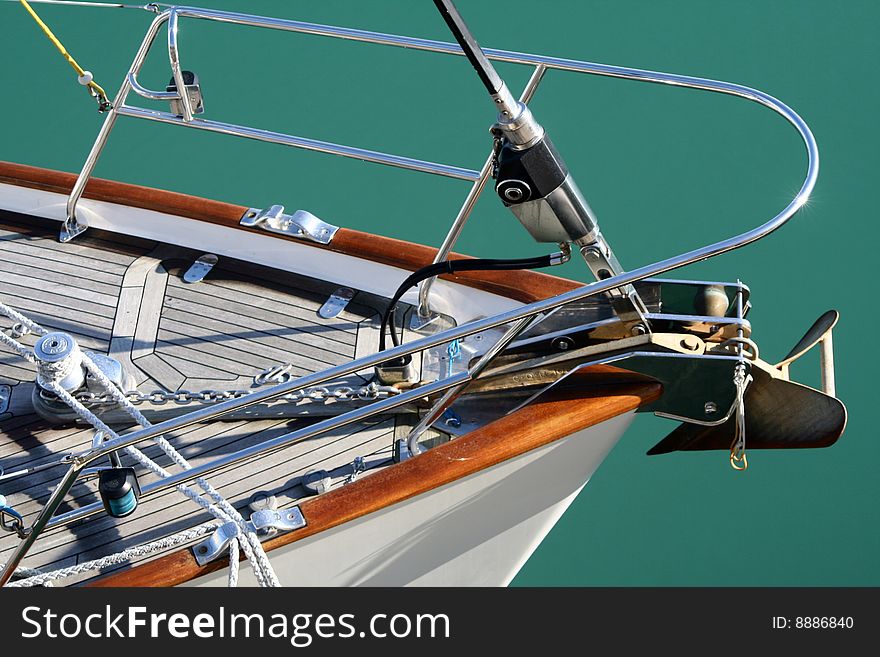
{"points": [[369, 392]]}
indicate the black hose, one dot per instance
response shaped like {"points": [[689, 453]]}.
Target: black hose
{"points": [[450, 267]]}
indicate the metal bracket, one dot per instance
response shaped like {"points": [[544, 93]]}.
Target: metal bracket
{"points": [[266, 523], [200, 268], [316, 481], [358, 467], [192, 89], [450, 418], [627, 303], [272, 521], [697, 388], [11, 520], [5, 396], [336, 303], [401, 451], [302, 224], [70, 229]]}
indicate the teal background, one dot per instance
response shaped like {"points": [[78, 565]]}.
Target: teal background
{"points": [[665, 169]]}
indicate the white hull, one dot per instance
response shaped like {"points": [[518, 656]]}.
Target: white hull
{"points": [[476, 531]]}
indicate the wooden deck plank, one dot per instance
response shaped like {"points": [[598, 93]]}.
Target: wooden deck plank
{"points": [[221, 358], [12, 270], [311, 344], [252, 342], [32, 307], [164, 376], [284, 349], [342, 331], [149, 312], [41, 300], [97, 250], [37, 440], [296, 310], [12, 368], [10, 254], [196, 370], [36, 247]]}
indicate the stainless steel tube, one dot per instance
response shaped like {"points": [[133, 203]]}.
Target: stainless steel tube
{"points": [[92, 159], [55, 500], [304, 143], [176, 71], [141, 90], [440, 47]]}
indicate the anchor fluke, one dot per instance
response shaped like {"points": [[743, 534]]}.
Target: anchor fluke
{"points": [[780, 414]]}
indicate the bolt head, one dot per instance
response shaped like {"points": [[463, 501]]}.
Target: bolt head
{"points": [[690, 342], [54, 347]]}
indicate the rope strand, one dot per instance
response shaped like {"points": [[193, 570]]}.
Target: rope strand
{"points": [[36, 578], [83, 77]]}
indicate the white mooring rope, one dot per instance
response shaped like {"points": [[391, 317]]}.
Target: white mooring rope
{"points": [[48, 377], [36, 578]]}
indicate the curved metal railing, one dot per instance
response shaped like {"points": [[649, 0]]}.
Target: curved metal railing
{"points": [[520, 318]]}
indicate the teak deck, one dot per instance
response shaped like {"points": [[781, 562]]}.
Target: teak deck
{"points": [[125, 296]]}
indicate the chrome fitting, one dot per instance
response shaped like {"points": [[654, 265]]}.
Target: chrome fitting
{"points": [[562, 256], [522, 130]]}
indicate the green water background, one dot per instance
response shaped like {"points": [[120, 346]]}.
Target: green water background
{"points": [[665, 169]]}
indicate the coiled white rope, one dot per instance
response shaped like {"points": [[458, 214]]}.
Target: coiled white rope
{"points": [[48, 376]]}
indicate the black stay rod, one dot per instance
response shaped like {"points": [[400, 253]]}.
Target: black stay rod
{"points": [[472, 50]]}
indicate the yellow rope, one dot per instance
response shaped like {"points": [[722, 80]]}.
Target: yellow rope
{"points": [[94, 86]]}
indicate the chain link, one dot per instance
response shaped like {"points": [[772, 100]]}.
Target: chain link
{"points": [[324, 394]]}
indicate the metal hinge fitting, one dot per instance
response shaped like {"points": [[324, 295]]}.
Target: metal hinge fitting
{"points": [[302, 224], [265, 523]]}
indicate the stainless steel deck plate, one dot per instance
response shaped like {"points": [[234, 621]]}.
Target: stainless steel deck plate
{"points": [[200, 268], [336, 303]]}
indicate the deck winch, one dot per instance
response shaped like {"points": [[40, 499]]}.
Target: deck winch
{"points": [[60, 365]]}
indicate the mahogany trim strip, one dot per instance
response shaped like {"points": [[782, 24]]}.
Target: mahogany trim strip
{"points": [[524, 286], [536, 425]]}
